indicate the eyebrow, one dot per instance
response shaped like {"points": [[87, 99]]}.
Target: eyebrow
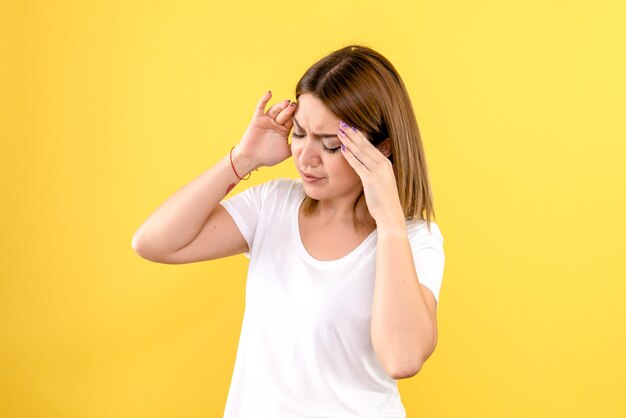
{"points": [[315, 135]]}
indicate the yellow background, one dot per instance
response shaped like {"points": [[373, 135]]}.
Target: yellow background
{"points": [[108, 107]]}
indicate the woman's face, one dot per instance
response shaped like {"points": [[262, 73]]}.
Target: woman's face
{"points": [[316, 151]]}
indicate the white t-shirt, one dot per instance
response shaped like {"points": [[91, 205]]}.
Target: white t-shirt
{"points": [[305, 346]]}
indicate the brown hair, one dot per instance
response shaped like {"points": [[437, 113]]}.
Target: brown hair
{"points": [[362, 88]]}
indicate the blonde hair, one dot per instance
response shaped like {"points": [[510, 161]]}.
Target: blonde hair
{"points": [[362, 88]]}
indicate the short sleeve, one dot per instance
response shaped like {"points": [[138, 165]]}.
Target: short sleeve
{"points": [[428, 254], [245, 208]]}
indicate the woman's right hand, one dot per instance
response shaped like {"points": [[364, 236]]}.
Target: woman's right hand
{"points": [[264, 143]]}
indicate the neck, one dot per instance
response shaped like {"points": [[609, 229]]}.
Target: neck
{"points": [[344, 212]]}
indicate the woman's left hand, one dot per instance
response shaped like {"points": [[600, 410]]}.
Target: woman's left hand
{"points": [[376, 173]]}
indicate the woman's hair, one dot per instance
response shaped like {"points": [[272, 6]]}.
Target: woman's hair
{"points": [[362, 88]]}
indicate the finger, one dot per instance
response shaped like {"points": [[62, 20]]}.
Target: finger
{"points": [[357, 165], [260, 107], [357, 137], [289, 123], [277, 108], [286, 114], [350, 140], [364, 147]]}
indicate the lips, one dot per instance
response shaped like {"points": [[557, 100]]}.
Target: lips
{"points": [[309, 177], [304, 173]]}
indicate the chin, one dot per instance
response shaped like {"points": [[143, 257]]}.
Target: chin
{"points": [[323, 193], [313, 193]]}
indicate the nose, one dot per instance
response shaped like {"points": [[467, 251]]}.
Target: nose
{"points": [[309, 153]]}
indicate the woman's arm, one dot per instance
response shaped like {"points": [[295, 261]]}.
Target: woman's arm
{"points": [[403, 325], [191, 225], [404, 322], [176, 223]]}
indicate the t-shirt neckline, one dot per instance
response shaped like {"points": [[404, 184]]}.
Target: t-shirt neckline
{"points": [[295, 224]]}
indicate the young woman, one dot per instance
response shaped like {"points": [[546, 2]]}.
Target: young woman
{"points": [[345, 262]]}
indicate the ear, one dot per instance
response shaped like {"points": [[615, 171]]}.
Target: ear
{"points": [[385, 147]]}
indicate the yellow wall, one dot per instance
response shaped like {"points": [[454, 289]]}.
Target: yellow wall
{"points": [[108, 107]]}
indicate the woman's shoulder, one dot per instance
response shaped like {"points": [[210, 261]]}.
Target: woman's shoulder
{"points": [[419, 227], [283, 184], [280, 188]]}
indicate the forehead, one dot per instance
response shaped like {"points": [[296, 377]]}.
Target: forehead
{"points": [[312, 114]]}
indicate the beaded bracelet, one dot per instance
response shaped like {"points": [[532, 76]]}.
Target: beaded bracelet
{"points": [[247, 176]]}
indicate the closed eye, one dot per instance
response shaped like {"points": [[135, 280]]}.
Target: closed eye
{"points": [[324, 147]]}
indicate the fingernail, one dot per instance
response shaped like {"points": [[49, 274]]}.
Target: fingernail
{"points": [[354, 129], [343, 147], [343, 124], [341, 132]]}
